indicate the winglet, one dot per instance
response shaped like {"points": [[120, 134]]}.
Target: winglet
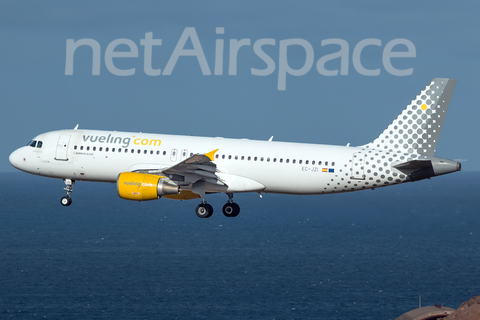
{"points": [[211, 154]]}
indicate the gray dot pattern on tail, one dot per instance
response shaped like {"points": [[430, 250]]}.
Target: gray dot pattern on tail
{"points": [[417, 128]]}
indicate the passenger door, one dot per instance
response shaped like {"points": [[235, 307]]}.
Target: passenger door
{"points": [[358, 166], [61, 153]]}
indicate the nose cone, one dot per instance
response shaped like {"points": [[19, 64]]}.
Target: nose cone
{"points": [[14, 158], [18, 159]]}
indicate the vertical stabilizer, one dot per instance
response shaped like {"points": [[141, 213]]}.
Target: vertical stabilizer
{"points": [[417, 129]]}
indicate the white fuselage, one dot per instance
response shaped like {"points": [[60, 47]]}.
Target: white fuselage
{"points": [[243, 165]]}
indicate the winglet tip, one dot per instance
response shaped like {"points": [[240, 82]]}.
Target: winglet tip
{"points": [[211, 154]]}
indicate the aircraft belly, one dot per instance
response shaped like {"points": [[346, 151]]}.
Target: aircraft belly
{"points": [[303, 185], [235, 183], [285, 181]]}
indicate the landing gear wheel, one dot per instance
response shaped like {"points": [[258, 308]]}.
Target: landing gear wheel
{"points": [[66, 201], [231, 209], [204, 210]]}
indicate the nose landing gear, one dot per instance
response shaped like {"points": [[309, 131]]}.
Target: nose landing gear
{"points": [[66, 201]]}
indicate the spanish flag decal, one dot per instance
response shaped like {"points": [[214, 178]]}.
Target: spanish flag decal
{"points": [[324, 170]]}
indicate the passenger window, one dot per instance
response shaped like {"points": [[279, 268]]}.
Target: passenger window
{"points": [[249, 158], [306, 161], [243, 158], [106, 149], [274, 159], [293, 161], [100, 149], [138, 151], [229, 157], [39, 144], [158, 152], [223, 156], [287, 161], [326, 163], [255, 159], [133, 151], [126, 150], [300, 161], [261, 159], [216, 156], [319, 163], [333, 164], [81, 147], [144, 151], [75, 148], [88, 148], [313, 162], [281, 160], [268, 159], [164, 152]]}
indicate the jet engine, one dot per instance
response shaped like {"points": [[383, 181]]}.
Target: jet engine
{"points": [[141, 186]]}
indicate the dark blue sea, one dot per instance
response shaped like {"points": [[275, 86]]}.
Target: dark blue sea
{"points": [[362, 255]]}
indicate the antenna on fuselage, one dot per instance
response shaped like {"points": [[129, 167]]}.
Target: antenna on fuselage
{"points": [[76, 127], [271, 138]]}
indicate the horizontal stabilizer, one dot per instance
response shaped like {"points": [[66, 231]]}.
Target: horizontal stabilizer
{"points": [[432, 166], [413, 165]]}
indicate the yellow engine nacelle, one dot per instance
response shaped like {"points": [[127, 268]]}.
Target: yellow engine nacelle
{"points": [[141, 186]]}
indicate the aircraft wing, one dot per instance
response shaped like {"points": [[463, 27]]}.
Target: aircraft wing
{"points": [[197, 167]]}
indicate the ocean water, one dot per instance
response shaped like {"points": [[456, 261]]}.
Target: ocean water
{"points": [[361, 255]]}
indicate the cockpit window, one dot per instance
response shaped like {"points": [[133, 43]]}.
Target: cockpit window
{"points": [[35, 143]]}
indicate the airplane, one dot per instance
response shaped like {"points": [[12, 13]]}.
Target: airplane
{"points": [[150, 166]]}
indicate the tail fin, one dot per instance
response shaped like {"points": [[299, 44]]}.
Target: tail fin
{"points": [[417, 129]]}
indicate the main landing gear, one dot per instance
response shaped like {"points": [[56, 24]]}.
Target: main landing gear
{"points": [[66, 201], [230, 209], [204, 210]]}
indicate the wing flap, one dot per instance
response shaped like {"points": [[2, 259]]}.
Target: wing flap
{"points": [[197, 167]]}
